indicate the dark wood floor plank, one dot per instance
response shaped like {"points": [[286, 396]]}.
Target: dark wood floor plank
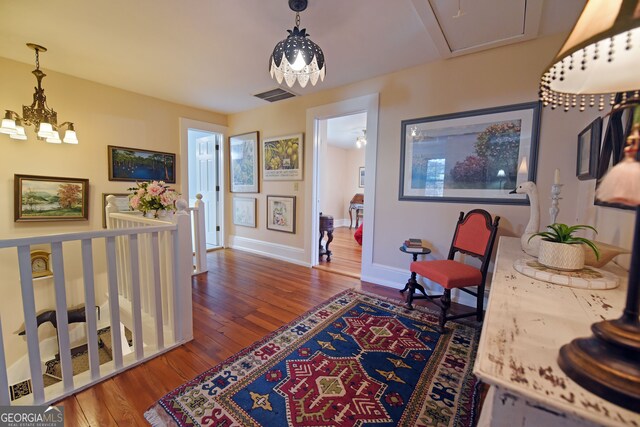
{"points": [[73, 415], [93, 408]]}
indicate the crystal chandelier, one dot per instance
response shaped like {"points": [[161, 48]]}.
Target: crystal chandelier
{"points": [[297, 57], [43, 118]]}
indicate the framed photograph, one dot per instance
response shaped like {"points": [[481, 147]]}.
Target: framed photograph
{"points": [[282, 158], [589, 151], [135, 164], [244, 211], [244, 163], [47, 198], [281, 213], [361, 177], [470, 157], [122, 202]]}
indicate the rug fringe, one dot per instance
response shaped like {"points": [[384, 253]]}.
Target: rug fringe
{"points": [[154, 418]]}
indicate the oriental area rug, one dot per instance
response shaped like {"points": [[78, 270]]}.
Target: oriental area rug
{"points": [[355, 360]]}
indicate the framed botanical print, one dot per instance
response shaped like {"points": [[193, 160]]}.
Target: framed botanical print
{"points": [[47, 198], [282, 158], [244, 163], [281, 213], [244, 211]]}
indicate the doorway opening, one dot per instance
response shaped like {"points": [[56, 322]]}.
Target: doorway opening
{"points": [[340, 180]]}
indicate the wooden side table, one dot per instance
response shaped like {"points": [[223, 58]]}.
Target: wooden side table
{"points": [[326, 225], [424, 251]]}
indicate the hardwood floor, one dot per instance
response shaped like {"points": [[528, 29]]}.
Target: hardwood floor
{"points": [[242, 298], [346, 257]]}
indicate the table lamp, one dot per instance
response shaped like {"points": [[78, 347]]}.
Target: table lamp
{"points": [[600, 58]]}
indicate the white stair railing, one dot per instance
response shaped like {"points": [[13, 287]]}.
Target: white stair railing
{"points": [[199, 235], [148, 281]]}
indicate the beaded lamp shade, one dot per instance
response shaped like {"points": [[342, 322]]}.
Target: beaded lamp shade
{"points": [[599, 58]]}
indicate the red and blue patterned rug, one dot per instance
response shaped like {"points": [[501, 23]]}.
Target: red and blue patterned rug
{"points": [[355, 360]]}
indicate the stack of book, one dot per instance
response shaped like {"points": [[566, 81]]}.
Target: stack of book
{"points": [[414, 245]]}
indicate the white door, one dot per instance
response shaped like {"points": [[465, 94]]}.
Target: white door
{"points": [[204, 149]]}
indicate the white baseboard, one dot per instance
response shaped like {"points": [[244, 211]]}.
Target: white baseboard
{"points": [[272, 250], [341, 222], [396, 278]]}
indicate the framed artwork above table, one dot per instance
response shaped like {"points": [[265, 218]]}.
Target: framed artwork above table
{"points": [[470, 157]]}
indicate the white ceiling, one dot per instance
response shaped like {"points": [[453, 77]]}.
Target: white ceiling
{"points": [[213, 54], [343, 131]]}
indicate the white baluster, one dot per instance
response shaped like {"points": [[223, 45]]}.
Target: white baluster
{"points": [[135, 297], [90, 308], [155, 257], [62, 318], [114, 304], [30, 323]]}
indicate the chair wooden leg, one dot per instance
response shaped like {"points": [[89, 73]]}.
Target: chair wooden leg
{"points": [[446, 303]]}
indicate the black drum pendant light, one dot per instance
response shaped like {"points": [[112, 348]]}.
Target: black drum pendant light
{"points": [[297, 57]]}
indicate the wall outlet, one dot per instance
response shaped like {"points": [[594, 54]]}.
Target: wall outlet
{"points": [[295, 186]]}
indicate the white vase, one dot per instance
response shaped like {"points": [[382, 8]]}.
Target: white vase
{"points": [[148, 214], [561, 256]]}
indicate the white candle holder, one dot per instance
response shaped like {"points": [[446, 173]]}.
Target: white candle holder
{"points": [[555, 197]]}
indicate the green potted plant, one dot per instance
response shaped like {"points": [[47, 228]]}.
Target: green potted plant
{"points": [[561, 250]]}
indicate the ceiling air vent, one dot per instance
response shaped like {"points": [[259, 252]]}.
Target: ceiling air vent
{"points": [[274, 95]]}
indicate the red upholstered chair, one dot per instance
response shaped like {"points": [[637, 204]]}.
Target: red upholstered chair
{"points": [[474, 235]]}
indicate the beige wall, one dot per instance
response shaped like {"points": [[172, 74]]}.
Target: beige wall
{"points": [[333, 179], [502, 76], [103, 116]]}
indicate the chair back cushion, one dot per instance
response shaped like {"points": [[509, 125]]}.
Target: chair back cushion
{"points": [[473, 233]]}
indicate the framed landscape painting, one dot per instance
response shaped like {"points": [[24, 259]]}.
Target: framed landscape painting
{"points": [[281, 213], [122, 202], [470, 157], [135, 164], [244, 163], [244, 211], [282, 158], [46, 198]]}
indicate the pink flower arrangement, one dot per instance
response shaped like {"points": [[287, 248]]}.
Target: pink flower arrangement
{"points": [[152, 196]]}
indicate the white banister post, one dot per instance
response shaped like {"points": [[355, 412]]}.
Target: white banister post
{"points": [[183, 267], [110, 208], [200, 238]]}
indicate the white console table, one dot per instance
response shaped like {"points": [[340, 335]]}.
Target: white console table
{"points": [[526, 323]]}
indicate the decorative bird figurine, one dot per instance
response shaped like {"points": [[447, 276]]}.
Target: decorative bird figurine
{"points": [[532, 246]]}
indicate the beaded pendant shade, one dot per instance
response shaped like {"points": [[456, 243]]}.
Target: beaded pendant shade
{"points": [[297, 58], [600, 57]]}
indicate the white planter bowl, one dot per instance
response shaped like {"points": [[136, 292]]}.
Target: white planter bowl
{"points": [[561, 256]]}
